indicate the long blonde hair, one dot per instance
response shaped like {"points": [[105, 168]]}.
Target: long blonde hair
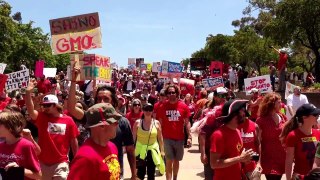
{"points": [[268, 104]]}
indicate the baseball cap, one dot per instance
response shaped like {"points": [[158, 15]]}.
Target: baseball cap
{"points": [[253, 90], [50, 99], [101, 114], [306, 110]]}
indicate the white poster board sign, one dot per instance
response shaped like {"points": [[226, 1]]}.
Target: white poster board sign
{"points": [[262, 83], [2, 67], [17, 80], [49, 72]]}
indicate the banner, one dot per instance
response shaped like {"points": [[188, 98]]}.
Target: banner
{"points": [[171, 69], [92, 66], [260, 82], [187, 86], [17, 80], [149, 67], [289, 89], [213, 83], [143, 67], [75, 33], [3, 80], [198, 64], [50, 72], [2, 67], [131, 64], [39, 68], [139, 61], [156, 67], [216, 68]]}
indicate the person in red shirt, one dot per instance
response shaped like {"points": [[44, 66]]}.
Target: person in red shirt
{"points": [[254, 103], [4, 99], [283, 58], [271, 122], [57, 133], [98, 156], [226, 152], [135, 113], [162, 99], [17, 151], [301, 140], [44, 85], [174, 115]]}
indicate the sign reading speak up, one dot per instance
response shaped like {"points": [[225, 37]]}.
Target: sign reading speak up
{"points": [[75, 33]]}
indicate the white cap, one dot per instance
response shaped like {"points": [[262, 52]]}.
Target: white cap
{"points": [[130, 76], [50, 99], [253, 90]]}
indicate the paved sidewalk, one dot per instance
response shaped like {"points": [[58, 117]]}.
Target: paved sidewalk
{"points": [[190, 167]]}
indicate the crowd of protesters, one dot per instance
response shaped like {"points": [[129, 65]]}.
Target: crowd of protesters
{"points": [[61, 128]]}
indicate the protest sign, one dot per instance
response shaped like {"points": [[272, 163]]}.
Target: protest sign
{"points": [[39, 68], [143, 67], [92, 66], [131, 64], [289, 89], [50, 72], [212, 83], [139, 61], [216, 68], [2, 67], [75, 33], [156, 66], [3, 80], [198, 64], [187, 86], [17, 80], [171, 69], [260, 82], [149, 67]]}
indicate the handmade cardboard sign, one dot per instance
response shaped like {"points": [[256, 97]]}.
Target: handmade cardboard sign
{"points": [[260, 82], [17, 80], [75, 33]]}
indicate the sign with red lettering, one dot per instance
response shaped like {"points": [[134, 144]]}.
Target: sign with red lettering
{"points": [[93, 66], [75, 33], [17, 80], [216, 68], [262, 83], [3, 80]]}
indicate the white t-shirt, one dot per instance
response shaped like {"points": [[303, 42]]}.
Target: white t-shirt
{"points": [[296, 101], [129, 85]]}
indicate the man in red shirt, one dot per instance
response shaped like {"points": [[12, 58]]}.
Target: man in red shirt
{"points": [[98, 156], [57, 133], [226, 152], [283, 58], [174, 115], [44, 85]]}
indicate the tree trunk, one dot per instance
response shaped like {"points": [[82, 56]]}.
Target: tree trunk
{"points": [[317, 65]]}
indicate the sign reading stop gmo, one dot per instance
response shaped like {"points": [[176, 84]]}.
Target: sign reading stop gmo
{"points": [[75, 33]]}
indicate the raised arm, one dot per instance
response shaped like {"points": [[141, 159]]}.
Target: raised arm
{"points": [[73, 110], [30, 106]]}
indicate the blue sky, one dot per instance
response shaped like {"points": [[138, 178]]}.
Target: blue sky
{"points": [[154, 30]]}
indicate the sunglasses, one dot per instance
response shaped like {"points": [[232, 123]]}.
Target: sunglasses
{"points": [[136, 104], [170, 93], [148, 109], [46, 105]]}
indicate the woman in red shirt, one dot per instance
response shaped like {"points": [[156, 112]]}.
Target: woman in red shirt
{"points": [[271, 122], [301, 140], [135, 112]]}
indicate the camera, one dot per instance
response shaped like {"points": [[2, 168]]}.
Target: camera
{"points": [[255, 157]]}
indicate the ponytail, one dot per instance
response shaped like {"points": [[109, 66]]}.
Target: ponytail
{"points": [[290, 126]]}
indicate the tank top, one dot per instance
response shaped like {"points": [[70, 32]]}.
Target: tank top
{"points": [[143, 135]]}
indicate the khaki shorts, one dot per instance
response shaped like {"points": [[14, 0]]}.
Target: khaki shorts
{"points": [[57, 171], [173, 149]]}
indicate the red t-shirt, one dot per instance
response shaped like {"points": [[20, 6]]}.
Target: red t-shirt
{"points": [[283, 57], [272, 150], [4, 103], [249, 137], [55, 134], [93, 161], [228, 143], [132, 117], [22, 152], [172, 117], [44, 86], [304, 149]]}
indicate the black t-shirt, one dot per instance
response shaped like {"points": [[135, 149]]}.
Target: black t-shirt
{"points": [[123, 138]]}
